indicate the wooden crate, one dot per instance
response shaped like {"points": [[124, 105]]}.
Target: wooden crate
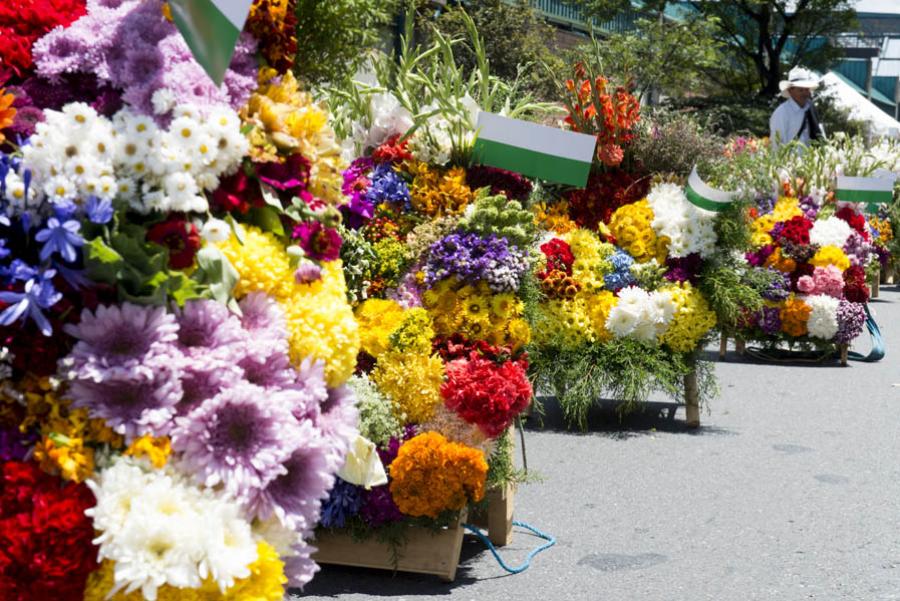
{"points": [[425, 551]]}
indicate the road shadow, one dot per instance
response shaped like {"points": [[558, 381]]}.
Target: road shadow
{"points": [[608, 417]]}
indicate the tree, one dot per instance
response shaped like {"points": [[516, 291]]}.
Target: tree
{"points": [[515, 36], [334, 36]]}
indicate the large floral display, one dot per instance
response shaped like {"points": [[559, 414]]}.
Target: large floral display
{"points": [[176, 337], [437, 254], [809, 254], [620, 267]]}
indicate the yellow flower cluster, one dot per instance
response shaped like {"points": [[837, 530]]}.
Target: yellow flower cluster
{"points": [[591, 259], [377, 319], [759, 230], [831, 255], [286, 121], [155, 450], [565, 321], [412, 381], [631, 225], [692, 320], [265, 583], [68, 436], [477, 313], [319, 319], [437, 192], [415, 333], [883, 227], [554, 217], [786, 209], [432, 475]]}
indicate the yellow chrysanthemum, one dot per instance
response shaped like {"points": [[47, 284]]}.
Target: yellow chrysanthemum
{"points": [[831, 255], [415, 333], [411, 381], [101, 581], [591, 259], [261, 262], [437, 192], [786, 208], [554, 217], [693, 319], [631, 225], [156, 450], [377, 319], [598, 307], [565, 323]]}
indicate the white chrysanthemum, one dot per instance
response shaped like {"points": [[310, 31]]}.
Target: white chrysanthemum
{"points": [[621, 321], [640, 314], [822, 322], [161, 530], [163, 101], [688, 228], [830, 232]]}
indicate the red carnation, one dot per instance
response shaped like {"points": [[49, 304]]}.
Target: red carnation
{"points": [[22, 22], [855, 220], [796, 230], [392, 151], [855, 288], [237, 193], [559, 256], [45, 539], [487, 394], [180, 237]]}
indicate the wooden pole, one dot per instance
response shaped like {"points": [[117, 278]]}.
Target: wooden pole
{"points": [[723, 345], [845, 351], [876, 281], [739, 346], [692, 400]]}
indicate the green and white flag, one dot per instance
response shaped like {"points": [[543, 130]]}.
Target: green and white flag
{"points": [[871, 190], [704, 196], [211, 29], [534, 150]]}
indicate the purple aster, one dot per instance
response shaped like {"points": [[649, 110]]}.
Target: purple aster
{"points": [[765, 204], [379, 507], [309, 382], [122, 339], [472, 258], [344, 501], [295, 496], [14, 445], [780, 287], [858, 249], [770, 321], [851, 318], [240, 439], [207, 329], [131, 404]]}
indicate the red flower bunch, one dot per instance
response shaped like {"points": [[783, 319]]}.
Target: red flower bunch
{"points": [[237, 192], [392, 151], [855, 220], [559, 257], [45, 538], [180, 236], [796, 230], [512, 185], [487, 394], [22, 22], [457, 346], [290, 177], [855, 288], [605, 192]]}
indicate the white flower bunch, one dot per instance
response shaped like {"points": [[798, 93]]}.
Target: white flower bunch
{"points": [[71, 155], [174, 166], [159, 529], [689, 228], [434, 142], [640, 314], [823, 321], [387, 117], [830, 232]]}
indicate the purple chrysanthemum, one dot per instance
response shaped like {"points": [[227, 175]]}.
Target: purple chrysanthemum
{"points": [[202, 381], [262, 317], [337, 421], [379, 507], [300, 567], [770, 321], [268, 367], [309, 383], [851, 319], [131, 404], [295, 496], [120, 340], [14, 445], [239, 439], [858, 249], [207, 329]]}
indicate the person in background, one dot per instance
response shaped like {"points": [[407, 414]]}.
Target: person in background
{"points": [[795, 118]]}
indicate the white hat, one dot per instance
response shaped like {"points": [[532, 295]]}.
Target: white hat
{"points": [[798, 78]]}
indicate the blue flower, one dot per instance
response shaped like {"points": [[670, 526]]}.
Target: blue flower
{"points": [[20, 271], [387, 186], [38, 294], [99, 211], [61, 237], [4, 252], [344, 502]]}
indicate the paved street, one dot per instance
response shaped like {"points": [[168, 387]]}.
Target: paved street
{"points": [[790, 491]]}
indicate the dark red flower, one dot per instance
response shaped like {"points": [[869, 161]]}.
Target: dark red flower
{"points": [[796, 230], [605, 192], [180, 237], [559, 257], [237, 192], [392, 151], [855, 220], [512, 185], [855, 288], [45, 539], [319, 242], [22, 22], [291, 176]]}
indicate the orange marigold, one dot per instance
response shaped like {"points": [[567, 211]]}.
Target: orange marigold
{"points": [[794, 316], [7, 112], [432, 475]]}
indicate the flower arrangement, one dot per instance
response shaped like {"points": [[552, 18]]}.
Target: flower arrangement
{"points": [[176, 335]]}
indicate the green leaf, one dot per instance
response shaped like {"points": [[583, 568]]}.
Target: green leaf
{"points": [[101, 262], [217, 273], [267, 219], [271, 197]]}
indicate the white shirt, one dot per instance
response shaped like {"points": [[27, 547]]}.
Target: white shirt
{"points": [[786, 121]]}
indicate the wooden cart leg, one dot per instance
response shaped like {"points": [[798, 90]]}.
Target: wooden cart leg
{"points": [[450, 575], [723, 345], [845, 351], [876, 284], [739, 346], [501, 502], [692, 400]]}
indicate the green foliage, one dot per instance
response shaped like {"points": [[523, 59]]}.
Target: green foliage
{"points": [[335, 37], [377, 421], [623, 369], [515, 38], [501, 467], [671, 142], [502, 217], [357, 258]]}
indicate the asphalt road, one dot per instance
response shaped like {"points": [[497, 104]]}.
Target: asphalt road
{"points": [[790, 490]]}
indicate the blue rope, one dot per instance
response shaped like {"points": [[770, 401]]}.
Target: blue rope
{"points": [[877, 352], [525, 564]]}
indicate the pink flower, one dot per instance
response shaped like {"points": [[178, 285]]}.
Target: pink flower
{"points": [[319, 242], [829, 280], [806, 284]]}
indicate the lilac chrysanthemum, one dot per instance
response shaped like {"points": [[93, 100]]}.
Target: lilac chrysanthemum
{"points": [[207, 330], [309, 384], [408, 292], [122, 340], [261, 316], [270, 369], [337, 421], [851, 319], [295, 496], [131, 404], [239, 439], [202, 381], [858, 249], [300, 567]]}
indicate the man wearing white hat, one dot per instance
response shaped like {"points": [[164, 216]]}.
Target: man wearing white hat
{"points": [[795, 118]]}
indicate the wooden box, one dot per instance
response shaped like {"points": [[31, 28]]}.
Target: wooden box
{"points": [[497, 517], [425, 551]]}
